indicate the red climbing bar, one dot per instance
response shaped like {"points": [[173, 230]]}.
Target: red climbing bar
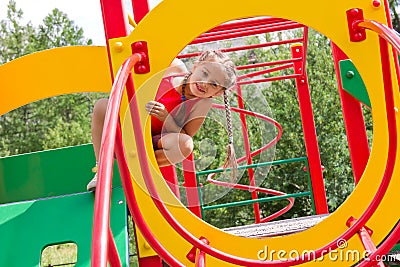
{"points": [[353, 122], [243, 33], [246, 142], [113, 257], [247, 47], [365, 236], [115, 22], [248, 22], [270, 63], [201, 256], [140, 9], [101, 221], [310, 136], [192, 193]]}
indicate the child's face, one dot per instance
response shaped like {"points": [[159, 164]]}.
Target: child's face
{"points": [[207, 79]]}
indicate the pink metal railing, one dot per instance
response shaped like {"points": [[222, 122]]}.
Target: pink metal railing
{"points": [[101, 243], [386, 35], [317, 253]]}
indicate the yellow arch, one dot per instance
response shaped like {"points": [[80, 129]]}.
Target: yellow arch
{"points": [[53, 72], [167, 33], [57, 71]]}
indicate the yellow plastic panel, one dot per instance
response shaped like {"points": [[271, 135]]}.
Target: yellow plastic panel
{"points": [[167, 34], [53, 72]]}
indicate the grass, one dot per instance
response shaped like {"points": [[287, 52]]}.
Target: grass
{"points": [[66, 255]]}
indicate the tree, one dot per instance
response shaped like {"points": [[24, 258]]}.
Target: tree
{"points": [[14, 37], [56, 31], [393, 5], [49, 123]]}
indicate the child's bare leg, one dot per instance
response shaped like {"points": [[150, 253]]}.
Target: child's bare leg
{"points": [[174, 148], [99, 112]]}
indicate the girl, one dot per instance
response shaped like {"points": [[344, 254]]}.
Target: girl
{"points": [[182, 102]]}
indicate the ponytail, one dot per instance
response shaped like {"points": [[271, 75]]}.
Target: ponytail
{"points": [[230, 160]]}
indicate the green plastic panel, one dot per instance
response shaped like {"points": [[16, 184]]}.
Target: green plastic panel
{"points": [[26, 228], [352, 82], [48, 173]]}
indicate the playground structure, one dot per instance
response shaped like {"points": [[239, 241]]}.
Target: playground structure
{"points": [[366, 221]]}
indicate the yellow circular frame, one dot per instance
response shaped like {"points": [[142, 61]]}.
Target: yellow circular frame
{"points": [[172, 25], [167, 29]]}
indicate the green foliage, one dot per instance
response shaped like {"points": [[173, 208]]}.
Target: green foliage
{"points": [[14, 37], [49, 123], [393, 5], [283, 106], [65, 120]]}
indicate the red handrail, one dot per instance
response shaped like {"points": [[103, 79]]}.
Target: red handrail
{"points": [[100, 241], [252, 154], [247, 262], [386, 35], [382, 30]]}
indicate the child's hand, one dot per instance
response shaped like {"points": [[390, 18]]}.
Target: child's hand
{"points": [[157, 110]]}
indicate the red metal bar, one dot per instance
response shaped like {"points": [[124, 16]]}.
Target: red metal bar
{"points": [[305, 45], [201, 256], [270, 79], [169, 174], [246, 47], [247, 28], [382, 30], [365, 237], [113, 257], [192, 194], [135, 211], [261, 72], [249, 262], [310, 136], [101, 219], [246, 142], [353, 122], [244, 33], [260, 116], [115, 23], [392, 127], [256, 189], [140, 9], [248, 22], [395, 53], [267, 64]]}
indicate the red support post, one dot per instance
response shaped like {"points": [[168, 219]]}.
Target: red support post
{"points": [[246, 141], [201, 255], [310, 135], [192, 193], [365, 236], [353, 122], [140, 9], [115, 22]]}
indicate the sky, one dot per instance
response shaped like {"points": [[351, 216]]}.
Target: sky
{"points": [[85, 14]]}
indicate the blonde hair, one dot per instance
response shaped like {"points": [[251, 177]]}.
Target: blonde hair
{"points": [[231, 75]]}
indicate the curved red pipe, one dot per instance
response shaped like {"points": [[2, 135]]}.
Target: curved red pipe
{"points": [[390, 36], [252, 154], [260, 116], [257, 189], [247, 262], [100, 241]]}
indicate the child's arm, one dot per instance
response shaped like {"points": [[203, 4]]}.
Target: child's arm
{"points": [[197, 117], [176, 67], [195, 120]]}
